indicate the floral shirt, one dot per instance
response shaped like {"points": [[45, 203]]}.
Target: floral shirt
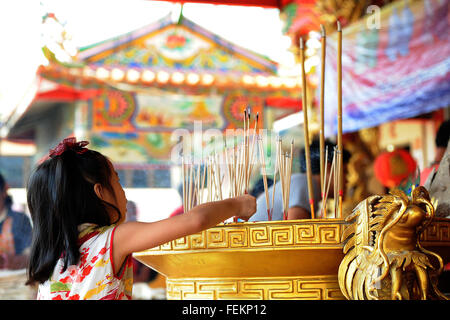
{"points": [[94, 277]]}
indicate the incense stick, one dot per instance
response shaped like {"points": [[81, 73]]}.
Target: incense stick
{"points": [[329, 183], [249, 153], [281, 172], [219, 176], [264, 174], [197, 187], [252, 149], [287, 183], [338, 178], [322, 111], [228, 165], [336, 181], [234, 167], [306, 132], [209, 182], [274, 179], [190, 186], [323, 206], [339, 117], [291, 158], [183, 180], [203, 182], [245, 150]]}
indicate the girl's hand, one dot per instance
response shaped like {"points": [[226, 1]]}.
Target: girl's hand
{"points": [[247, 206]]}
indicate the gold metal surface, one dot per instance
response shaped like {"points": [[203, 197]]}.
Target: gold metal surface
{"points": [[253, 260], [293, 259], [262, 288], [384, 258]]}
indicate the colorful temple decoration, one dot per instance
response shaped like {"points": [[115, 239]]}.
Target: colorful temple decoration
{"points": [[178, 46], [394, 67], [118, 111], [177, 54], [135, 149], [300, 17], [234, 103], [113, 111], [169, 55], [144, 86], [147, 124]]}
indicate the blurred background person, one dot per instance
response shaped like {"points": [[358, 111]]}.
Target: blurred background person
{"points": [[258, 188], [441, 141], [142, 275], [15, 233], [180, 209], [299, 207]]}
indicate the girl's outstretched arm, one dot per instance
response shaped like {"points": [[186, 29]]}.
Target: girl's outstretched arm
{"points": [[132, 237]]}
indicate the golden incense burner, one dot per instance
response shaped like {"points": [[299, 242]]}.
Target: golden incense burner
{"points": [[384, 255], [293, 259]]}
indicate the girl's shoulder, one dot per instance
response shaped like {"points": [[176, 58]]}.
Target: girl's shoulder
{"points": [[88, 231]]}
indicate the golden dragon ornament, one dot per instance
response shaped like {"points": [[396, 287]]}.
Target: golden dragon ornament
{"points": [[384, 259]]}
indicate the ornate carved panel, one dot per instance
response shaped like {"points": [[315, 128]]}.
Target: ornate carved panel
{"points": [[283, 288], [282, 234]]}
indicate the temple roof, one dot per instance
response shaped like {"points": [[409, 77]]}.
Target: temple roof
{"points": [[168, 53], [182, 46]]}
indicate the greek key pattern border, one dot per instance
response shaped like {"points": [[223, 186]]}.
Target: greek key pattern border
{"points": [[437, 232], [281, 288], [284, 235], [281, 234]]}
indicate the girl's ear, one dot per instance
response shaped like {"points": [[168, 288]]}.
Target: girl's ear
{"points": [[98, 190]]}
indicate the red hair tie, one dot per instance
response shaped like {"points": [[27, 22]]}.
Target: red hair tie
{"points": [[69, 144]]}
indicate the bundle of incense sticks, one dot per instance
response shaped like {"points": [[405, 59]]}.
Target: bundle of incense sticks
{"points": [[337, 171], [240, 166], [284, 161], [214, 177], [190, 183], [238, 161], [241, 157], [186, 172]]}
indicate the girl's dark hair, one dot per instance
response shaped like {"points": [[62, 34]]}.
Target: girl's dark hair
{"points": [[60, 196]]}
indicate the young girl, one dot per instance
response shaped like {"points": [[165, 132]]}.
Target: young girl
{"points": [[81, 247]]}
